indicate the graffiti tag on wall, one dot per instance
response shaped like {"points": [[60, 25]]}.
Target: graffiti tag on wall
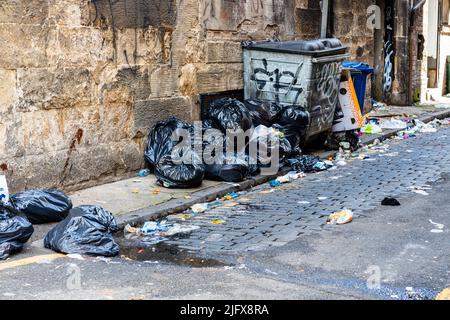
{"points": [[389, 47]]}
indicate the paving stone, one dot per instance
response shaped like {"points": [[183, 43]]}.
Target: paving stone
{"points": [[276, 218]]}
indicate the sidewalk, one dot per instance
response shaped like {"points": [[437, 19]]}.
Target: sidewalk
{"points": [[138, 199]]}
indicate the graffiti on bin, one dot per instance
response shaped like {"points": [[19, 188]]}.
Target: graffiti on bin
{"points": [[270, 78], [328, 81], [324, 98]]}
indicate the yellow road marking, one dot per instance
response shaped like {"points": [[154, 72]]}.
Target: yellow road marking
{"points": [[444, 295], [30, 260]]}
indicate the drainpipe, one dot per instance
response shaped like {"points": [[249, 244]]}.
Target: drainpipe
{"points": [[412, 60], [324, 24]]}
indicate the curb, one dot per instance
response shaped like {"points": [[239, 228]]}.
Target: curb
{"points": [[210, 194]]}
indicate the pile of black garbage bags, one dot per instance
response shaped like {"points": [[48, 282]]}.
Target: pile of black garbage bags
{"points": [[166, 147], [84, 229]]}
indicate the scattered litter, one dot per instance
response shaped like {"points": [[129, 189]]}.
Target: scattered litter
{"points": [[129, 229], [271, 272], [230, 204], [267, 191], [342, 217], [179, 228], [151, 227], [217, 221], [137, 180], [340, 159], [185, 216], [231, 196], [439, 227], [275, 183], [187, 197], [199, 207], [422, 192], [371, 128], [156, 191], [144, 173], [394, 124], [76, 256], [389, 201], [135, 190], [305, 163]]}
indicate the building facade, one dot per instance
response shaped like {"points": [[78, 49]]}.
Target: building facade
{"points": [[82, 82]]}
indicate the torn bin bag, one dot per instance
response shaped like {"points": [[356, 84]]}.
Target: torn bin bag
{"points": [[263, 112], [228, 113], [293, 122], [86, 230], [184, 171], [42, 206], [14, 233], [164, 136]]}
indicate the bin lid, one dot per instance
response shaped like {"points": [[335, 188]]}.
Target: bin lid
{"points": [[318, 47], [360, 66]]}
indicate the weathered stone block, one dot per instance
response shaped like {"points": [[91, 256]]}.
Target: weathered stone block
{"points": [[73, 13], [216, 78], [23, 11], [223, 52], [147, 113], [54, 88], [8, 89], [82, 46], [23, 46]]}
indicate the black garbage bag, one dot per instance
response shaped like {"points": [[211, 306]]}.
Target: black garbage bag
{"points": [[228, 168], [86, 230], [15, 231], [262, 112], [305, 163], [228, 113], [163, 138], [42, 206], [293, 122], [187, 171]]}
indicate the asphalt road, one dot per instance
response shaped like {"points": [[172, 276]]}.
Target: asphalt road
{"points": [[385, 253]]}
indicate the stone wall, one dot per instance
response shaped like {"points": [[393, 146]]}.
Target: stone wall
{"points": [[81, 82]]}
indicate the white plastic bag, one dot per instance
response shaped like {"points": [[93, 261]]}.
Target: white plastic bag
{"points": [[4, 193]]}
